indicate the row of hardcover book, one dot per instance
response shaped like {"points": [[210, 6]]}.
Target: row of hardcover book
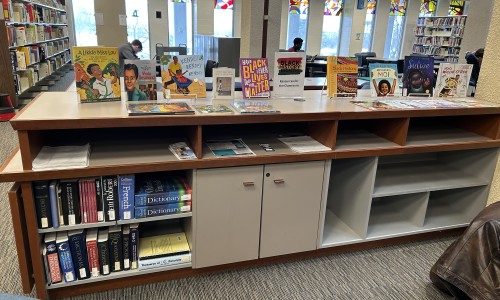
{"points": [[23, 57], [33, 33], [28, 78], [30, 12], [442, 21], [110, 198], [438, 41]]}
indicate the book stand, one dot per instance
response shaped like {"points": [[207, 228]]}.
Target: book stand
{"points": [[260, 97], [419, 95], [343, 95]]}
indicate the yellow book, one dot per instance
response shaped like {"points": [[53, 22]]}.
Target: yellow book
{"points": [[97, 73], [163, 245], [342, 76]]}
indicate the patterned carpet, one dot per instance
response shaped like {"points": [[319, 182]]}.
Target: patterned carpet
{"points": [[391, 272]]}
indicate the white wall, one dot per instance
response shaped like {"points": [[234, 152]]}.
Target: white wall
{"points": [[346, 27], [315, 27], [412, 12], [476, 27], [158, 28], [380, 30], [205, 17], [357, 30]]}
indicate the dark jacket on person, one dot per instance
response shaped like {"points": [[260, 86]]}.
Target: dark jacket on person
{"points": [[476, 66], [126, 52]]}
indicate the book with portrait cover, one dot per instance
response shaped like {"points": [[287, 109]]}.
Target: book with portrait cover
{"points": [[384, 80], [254, 74], [289, 73], [342, 76], [223, 83], [170, 108], [453, 80], [183, 75], [139, 79], [97, 73], [418, 75]]}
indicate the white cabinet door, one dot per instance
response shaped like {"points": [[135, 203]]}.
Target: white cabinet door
{"points": [[290, 207], [227, 214]]}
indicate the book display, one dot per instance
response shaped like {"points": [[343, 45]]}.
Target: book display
{"points": [[139, 77], [440, 36], [453, 80], [384, 80], [223, 83], [213, 109], [254, 107], [254, 73], [38, 40], [240, 201], [289, 74], [418, 76], [342, 76], [170, 108], [183, 75]]}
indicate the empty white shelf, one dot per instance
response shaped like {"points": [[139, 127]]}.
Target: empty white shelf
{"points": [[417, 137], [361, 139], [336, 232]]}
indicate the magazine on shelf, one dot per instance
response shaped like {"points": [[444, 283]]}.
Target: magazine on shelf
{"points": [[254, 74], [170, 108], [303, 143], [223, 83], [182, 151], [139, 79], [452, 80], [230, 147], [213, 109], [183, 75], [384, 80], [289, 73], [342, 76], [254, 107], [97, 73]]}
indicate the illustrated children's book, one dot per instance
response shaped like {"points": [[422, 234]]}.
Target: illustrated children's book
{"points": [[418, 75], [171, 108], [183, 75], [254, 107], [254, 74], [97, 73], [384, 80], [289, 73], [213, 109], [342, 76], [453, 80], [139, 77], [223, 83]]}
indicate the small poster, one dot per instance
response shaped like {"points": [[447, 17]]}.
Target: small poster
{"points": [[289, 73]]}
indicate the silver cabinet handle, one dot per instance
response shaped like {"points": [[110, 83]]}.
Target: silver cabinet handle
{"points": [[279, 181], [248, 183]]}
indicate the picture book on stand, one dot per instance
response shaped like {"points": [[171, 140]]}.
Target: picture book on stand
{"points": [[342, 76], [139, 79], [170, 108], [183, 75], [453, 80], [223, 83], [289, 73], [384, 80], [418, 75], [254, 74], [97, 73]]}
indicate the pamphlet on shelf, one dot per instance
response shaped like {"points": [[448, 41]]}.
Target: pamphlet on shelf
{"points": [[62, 157], [232, 147], [304, 143], [182, 151], [156, 108], [213, 109]]}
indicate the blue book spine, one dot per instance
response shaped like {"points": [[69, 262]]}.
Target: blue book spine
{"points": [[53, 204], [163, 209], [161, 198], [79, 254], [66, 261], [126, 184]]}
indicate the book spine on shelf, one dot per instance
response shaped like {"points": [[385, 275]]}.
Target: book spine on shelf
{"points": [[102, 245], [134, 240], [45, 264], [100, 202], [53, 262], [42, 203], [126, 247], [115, 249], [164, 261], [126, 196], [70, 202], [91, 198], [65, 259], [110, 197], [161, 210], [93, 256], [83, 202], [161, 198], [79, 253], [53, 204]]}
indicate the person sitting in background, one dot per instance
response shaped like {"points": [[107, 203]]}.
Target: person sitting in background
{"points": [[474, 59], [129, 51], [297, 44]]}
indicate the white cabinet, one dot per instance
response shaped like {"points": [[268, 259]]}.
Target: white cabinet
{"points": [[229, 224]]}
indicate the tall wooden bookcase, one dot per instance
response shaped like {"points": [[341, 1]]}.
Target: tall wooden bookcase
{"points": [[6, 82], [390, 176]]}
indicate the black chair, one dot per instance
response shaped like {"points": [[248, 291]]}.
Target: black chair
{"points": [[209, 67], [363, 69]]}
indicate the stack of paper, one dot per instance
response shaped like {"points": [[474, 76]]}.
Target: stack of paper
{"points": [[304, 144], [63, 157]]}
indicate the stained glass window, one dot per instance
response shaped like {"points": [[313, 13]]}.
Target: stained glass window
{"points": [[223, 4], [333, 7], [298, 16], [369, 25], [456, 8], [398, 8], [332, 18], [223, 18], [428, 8]]}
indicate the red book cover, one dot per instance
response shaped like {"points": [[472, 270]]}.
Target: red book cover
{"points": [[92, 200], [86, 202], [83, 208], [30, 12]]}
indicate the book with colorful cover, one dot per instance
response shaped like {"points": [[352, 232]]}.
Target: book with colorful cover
{"points": [[170, 108], [452, 80], [342, 76], [97, 73], [213, 109], [223, 83], [158, 188], [139, 79], [182, 151], [183, 75], [230, 147], [254, 73], [289, 73], [384, 80], [163, 245], [254, 107], [418, 75]]}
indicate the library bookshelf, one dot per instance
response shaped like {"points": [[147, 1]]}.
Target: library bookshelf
{"points": [[392, 176]]}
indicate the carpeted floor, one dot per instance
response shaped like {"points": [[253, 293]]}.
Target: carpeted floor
{"points": [[391, 272]]}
